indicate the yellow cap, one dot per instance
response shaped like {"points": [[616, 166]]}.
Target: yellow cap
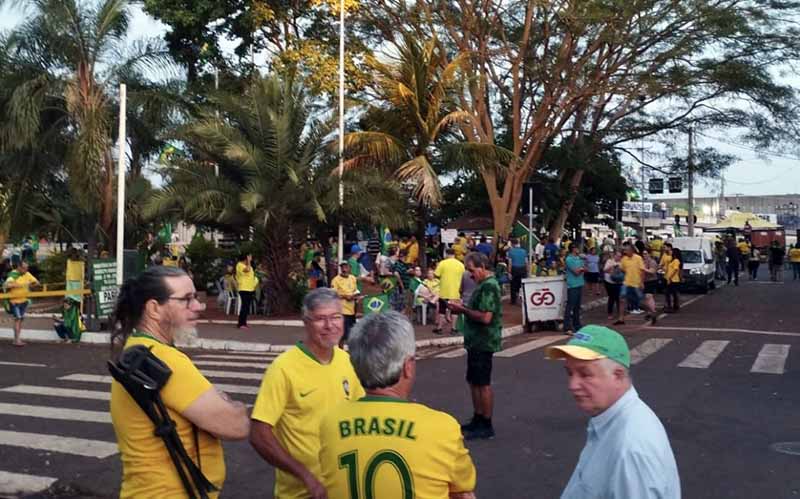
{"points": [[576, 352]]}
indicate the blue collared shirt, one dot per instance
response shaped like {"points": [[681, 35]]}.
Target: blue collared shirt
{"points": [[627, 456]]}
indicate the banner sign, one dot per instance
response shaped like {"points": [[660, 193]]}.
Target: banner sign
{"points": [[637, 206], [104, 285]]}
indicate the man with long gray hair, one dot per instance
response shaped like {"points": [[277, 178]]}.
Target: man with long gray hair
{"points": [[423, 447], [299, 387]]}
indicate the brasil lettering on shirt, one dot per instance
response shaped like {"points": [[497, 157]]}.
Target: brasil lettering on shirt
{"points": [[377, 426]]}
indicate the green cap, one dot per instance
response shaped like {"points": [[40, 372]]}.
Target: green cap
{"points": [[594, 342]]}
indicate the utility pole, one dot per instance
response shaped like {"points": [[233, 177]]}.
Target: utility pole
{"points": [[123, 142], [690, 217]]}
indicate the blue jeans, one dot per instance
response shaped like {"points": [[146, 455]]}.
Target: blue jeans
{"points": [[572, 312], [18, 310]]}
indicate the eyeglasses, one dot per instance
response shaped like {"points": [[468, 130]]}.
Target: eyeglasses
{"points": [[188, 299], [329, 319]]}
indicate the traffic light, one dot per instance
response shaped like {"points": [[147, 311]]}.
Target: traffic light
{"points": [[675, 184], [656, 186]]}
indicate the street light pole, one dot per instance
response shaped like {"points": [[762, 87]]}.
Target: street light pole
{"points": [[340, 254], [121, 182]]}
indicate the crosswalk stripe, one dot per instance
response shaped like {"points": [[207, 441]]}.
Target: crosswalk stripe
{"points": [[265, 358], [705, 354], [452, 354], [531, 345], [57, 392], [46, 412], [58, 443], [20, 364], [771, 359], [97, 378], [232, 374], [648, 348], [223, 363], [16, 484]]}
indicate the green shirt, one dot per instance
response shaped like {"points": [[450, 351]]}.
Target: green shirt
{"points": [[483, 337]]}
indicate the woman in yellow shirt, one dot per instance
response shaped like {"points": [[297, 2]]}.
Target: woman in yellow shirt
{"points": [[673, 278], [794, 259], [246, 282]]}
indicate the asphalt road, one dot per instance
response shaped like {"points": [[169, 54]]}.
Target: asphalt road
{"points": [[695, 369]]}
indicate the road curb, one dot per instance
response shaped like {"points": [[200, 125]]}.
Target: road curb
{"points": [[253, 322]]}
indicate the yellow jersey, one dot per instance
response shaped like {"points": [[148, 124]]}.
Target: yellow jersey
{"points": [[794, 255], [656, 245], [296, 392], [633, 266], [413, 253], [393, 449], [346, 286], [432, 284], [147, 470], [450, 271], [666, 258], [744, 248], [19, 294], [673, 273], [246, 279]]}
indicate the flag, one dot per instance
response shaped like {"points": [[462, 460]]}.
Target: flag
{"points": [[386, 240], [375, 304]]}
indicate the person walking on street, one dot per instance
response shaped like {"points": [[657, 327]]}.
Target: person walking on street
{"points": [[246, 283], [18, 283], [631, 293], [627, 453], [744, 252], [794, 259], [732, 269], [449, 272], [519, 268], [427, 454], [650, 286], [776, 254], [299, 388], [483, 322], [753, 263], [612, 278], [154, 310], [673, 278], [575, 269]]}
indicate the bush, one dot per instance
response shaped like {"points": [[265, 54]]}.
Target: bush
{"points": [[53, 269], [204, 261]]}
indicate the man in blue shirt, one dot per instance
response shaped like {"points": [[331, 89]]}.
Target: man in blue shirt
{"points": [[574, 271], [485, 248], [518, 258], [551, 252], [627, 453]]}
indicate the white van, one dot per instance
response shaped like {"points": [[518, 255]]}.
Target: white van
{"points": [[699, 262]]}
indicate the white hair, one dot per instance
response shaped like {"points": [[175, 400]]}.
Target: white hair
{"points": [[379, 346], [609, 366]]}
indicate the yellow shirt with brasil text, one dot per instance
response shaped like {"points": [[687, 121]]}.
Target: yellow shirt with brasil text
{"points": [[296, 392], [633, 266], [449, 271], [147, 470], [394, 449], [346, 286]]}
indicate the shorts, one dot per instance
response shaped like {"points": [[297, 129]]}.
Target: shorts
{"points": [[443, 305], [650, 287], [632, 295], [479, 368], [18, 310], [593, 277]]}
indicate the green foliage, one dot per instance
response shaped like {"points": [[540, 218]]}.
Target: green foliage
{"points": [[205, 261], [53, 269]]}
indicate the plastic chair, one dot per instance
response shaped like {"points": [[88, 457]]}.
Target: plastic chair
{"points": [[231, 297], [420, 304]]}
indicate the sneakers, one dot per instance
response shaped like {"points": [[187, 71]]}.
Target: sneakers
{"points": [[481, 433], [471, 425], [637, 311]]}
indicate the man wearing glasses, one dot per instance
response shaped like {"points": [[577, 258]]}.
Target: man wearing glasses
{"points": [[299, 387]]}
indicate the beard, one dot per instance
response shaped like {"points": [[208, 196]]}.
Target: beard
{"points": [[185, 336]]}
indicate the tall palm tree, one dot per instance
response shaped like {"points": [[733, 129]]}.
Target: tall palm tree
{"points": [[275, 175], [67, 58]]}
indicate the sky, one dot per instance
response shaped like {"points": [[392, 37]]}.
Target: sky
{"points": [[775, 172]]}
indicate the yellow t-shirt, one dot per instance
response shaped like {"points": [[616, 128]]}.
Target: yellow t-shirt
{"points": [[147, 470], [25, 280], [673, 273], [346, 286], [246, 279], [744, 248], [666, 258], [449, 271], [656, 246], [794, 255], [633, 266], [296, 392], [413, 253], [432, 284], [396, 449]]}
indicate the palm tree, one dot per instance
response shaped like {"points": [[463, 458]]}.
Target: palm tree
{"points": [[66, 59], [275, 175]]}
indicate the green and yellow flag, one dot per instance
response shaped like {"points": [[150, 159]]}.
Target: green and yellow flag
{"points": [[375, 304]]}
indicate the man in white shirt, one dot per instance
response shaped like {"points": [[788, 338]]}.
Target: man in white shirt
{"points": [[627, 453]]}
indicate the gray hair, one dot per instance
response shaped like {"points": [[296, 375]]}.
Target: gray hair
{"points": [[317, 298], [478, 259], [379, 345]]}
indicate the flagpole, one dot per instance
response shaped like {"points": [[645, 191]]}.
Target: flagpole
{"points": [[121, 183], [340, 254]]}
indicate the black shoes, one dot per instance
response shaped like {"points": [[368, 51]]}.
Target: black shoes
{"points": [[478, 428]]}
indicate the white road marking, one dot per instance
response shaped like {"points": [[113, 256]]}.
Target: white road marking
{"points": [[232, 374], [771, 359], [648, 348], [531, 345], [452, 354], [17, 484], [723, 330], [21, 364], [96, 378], [223, 363], [265, 358], [705, 354], [58, 443], [57, 392], [41, 411]]}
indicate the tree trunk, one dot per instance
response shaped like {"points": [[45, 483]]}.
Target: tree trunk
{"points": [[422, 222], [107, 204], [557, 226], [281, 262]]}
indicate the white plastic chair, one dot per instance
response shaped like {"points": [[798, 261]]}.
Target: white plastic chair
{"points": [[420, 304], [231, 297]]}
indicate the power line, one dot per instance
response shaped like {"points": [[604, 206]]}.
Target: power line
{"points": [[751, 149]]}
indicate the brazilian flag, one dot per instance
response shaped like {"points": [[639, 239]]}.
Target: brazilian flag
{"points": [[375, 304], [386, 240]]}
